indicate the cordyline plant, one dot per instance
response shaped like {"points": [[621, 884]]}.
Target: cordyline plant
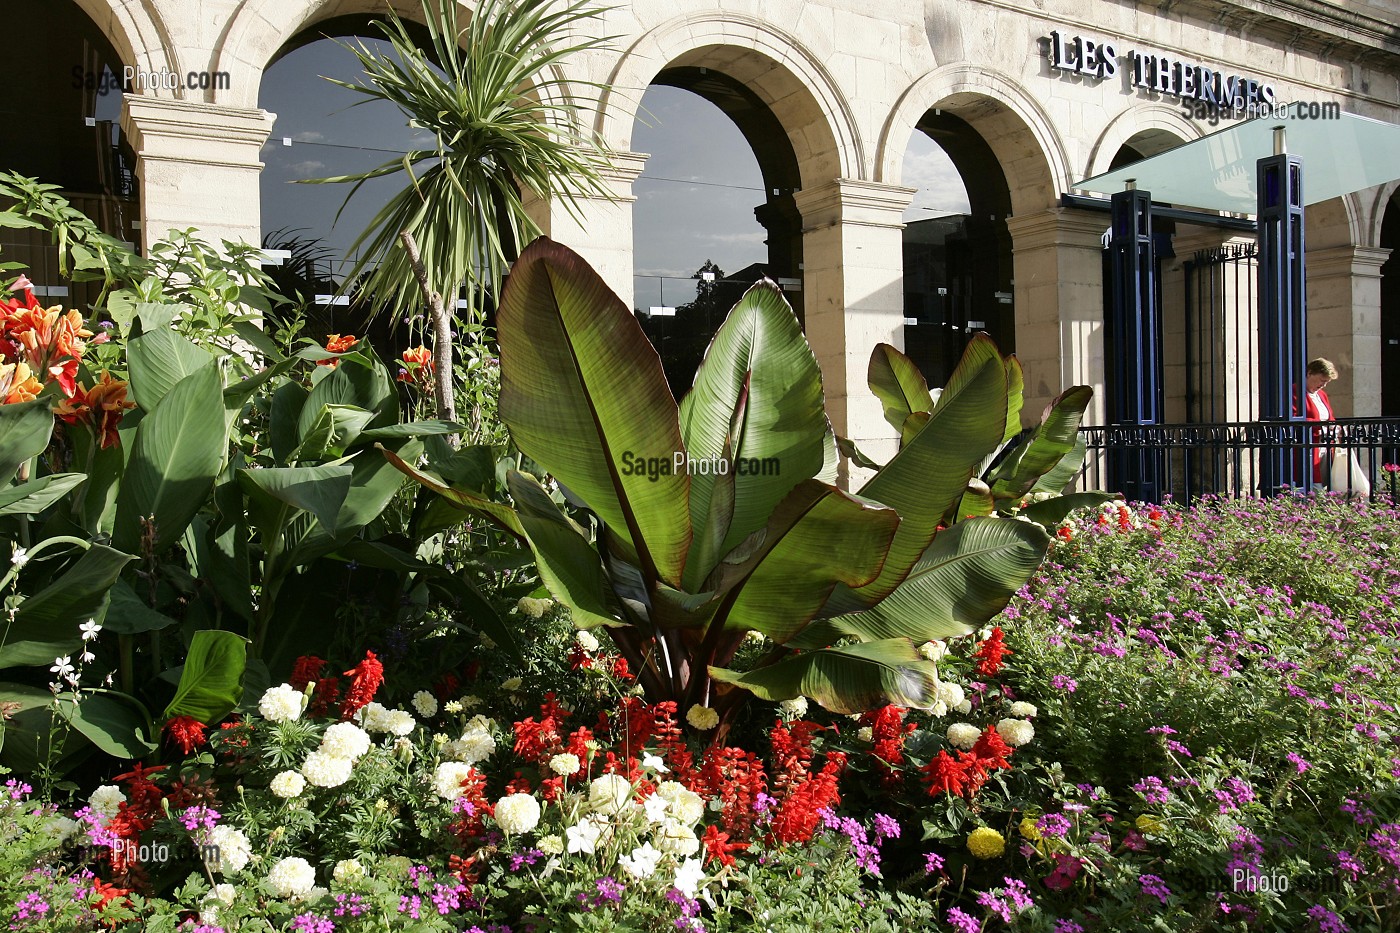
{"points": [[681, 561]]}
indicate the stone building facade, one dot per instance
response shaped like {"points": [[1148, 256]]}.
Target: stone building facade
{"points": [[846, 84]]}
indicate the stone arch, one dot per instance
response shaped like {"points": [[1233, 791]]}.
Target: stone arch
{"points": [[1015, 126], [786, 76], [1334, 222], [137, 32], [1374, 209], [1134, 122]]}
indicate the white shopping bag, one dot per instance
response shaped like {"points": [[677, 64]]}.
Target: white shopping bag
{"points": [[1347, 475]]}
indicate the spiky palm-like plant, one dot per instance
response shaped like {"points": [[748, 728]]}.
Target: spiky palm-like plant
{"points": [[502, 123]]}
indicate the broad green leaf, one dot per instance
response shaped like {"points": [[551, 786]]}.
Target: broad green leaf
{"points": [[237, 395], [817, 537], [25, 428], [115, 725], [288, 402], [46, 624], [930, 473], [853, 453], [568, 564], [157, 361], [373, 486], [1015, 397], [411, 429], [159, 315], [912, 426], [1052, 439], [966, 577], [898, 384], [583, 394], [976, 502], [37, 494], [259, 339], [1050, 512], [212, 682], [1064, 472], [846, 680], [359, 382], [759, 364], [320, 490], [25, 737], [465, 499], [178, 452], [316, 437], [128, 615]]}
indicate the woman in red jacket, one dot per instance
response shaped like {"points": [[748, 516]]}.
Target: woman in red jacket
{"points": [[1320, 372]]}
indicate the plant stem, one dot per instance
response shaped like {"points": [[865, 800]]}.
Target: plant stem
{"points": [[442, 335]]}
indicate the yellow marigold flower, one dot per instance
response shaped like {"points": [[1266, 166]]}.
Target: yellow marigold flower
{"points": [[985, 842], [1149, 824], [1029, 830]]}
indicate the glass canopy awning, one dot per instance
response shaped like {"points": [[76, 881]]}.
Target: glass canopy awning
{"points": [[1341, 154]]}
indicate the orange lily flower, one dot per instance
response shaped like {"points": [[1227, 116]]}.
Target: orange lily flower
{"points": [[103, 406], [418, 363], [52, 340], [336, 343], [17, 384]]}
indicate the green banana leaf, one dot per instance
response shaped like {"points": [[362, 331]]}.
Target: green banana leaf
{"points": [[25, 428], [846, 680], [157, 360], [1052, 439], [897, 383], [37, 494], [211, 684]]}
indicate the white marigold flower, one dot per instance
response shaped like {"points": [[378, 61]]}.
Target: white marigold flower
{"points": [[933, 650], [425, 704], [702, 717], [287, 785], [950, 694], [511, 685], [224, 893], [486, 641], [675, 838], [345, 740], [1023, 710], [795, 708], [61, 828], [565, 764], [371, 716], [586, 640], [534, 608], [938, 710], [962, 735], [470, 702], [282, 703], [229, 849], [453, 706], [348, 870], [292, 877], [551, 845], [1015, 732], [475, 745], [106, 800], [642, 862], [865, 734], [448, 778], [683, 803], [517, 813], [964, 707], [399, 722], [324, 770], [609, 794]]}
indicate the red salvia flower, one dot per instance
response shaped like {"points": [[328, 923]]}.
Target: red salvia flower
{"points": [[990, 654], [365, 679], [718, 846], [798, 815], [991, 749], [944, 775], [324, 697], [107, 893], [186, 732], [306, 670], [446, 686]]}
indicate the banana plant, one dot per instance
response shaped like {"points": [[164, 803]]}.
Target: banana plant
{"points": [[692, 525]]}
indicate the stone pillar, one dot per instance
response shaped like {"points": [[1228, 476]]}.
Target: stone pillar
{"points": [[853, 297], [1057, 259], [198, 165], [1344, 324], [600, 228]]}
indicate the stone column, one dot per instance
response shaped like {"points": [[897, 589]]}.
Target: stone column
{"points": [[600, 230], [1344, 324], [853, 297], [198, 166], [1057, 258]]}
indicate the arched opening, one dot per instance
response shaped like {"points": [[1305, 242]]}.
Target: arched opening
{"points": [[1390, 310], [322, 131], [62, 110], [957, 249], [714, 210]]}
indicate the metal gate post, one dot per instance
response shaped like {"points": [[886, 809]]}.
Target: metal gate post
{"points": [[1133, 340], [1283, 320]]}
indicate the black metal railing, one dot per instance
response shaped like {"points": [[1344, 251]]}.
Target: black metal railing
{"points": [[1239, 459]]}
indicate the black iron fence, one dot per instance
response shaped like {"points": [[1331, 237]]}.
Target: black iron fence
{"points": [[1242, 459]]}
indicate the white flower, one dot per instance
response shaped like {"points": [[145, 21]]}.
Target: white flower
{"points": [[795, 708], [702, 717], [345, 740], [551, 845], [282, 703], [950, 694], [609, 794], [586, 641], [20, 556], [397, 722], [642, 862], [288, 784], [583, 837], [87, 656], [90, 628], [452, 706], [292, 877], [1015, 732], [370, 715], [962, 735], [475, 745], [675, 838], [938, 710], [654, 763], [324, 770], [61, 828], [565, 764], [1023, 710], [224, 894], [685, 805], [425, 704], [448, 778], [865, 734], [933, 650], [517, 813], [689, 874], [106, 800], [63, 667], [534, 608], [470, 702], [655, 808], [513, 684], [964, 707], [347, 870], [230, 849]]}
